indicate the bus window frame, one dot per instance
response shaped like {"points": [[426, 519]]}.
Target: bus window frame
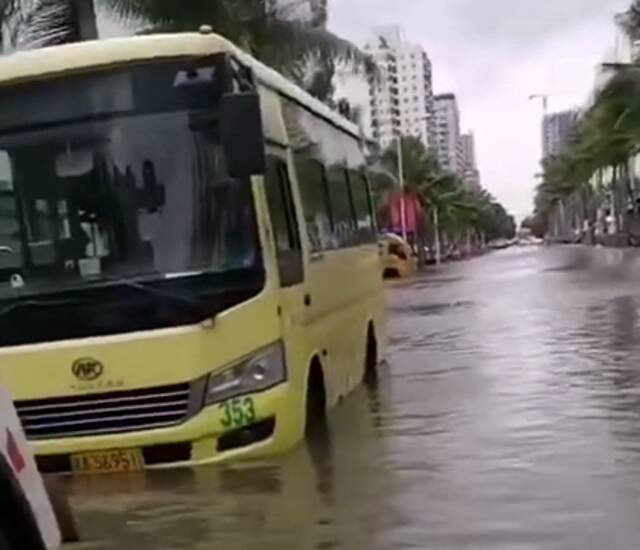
{"points": [[291, 261]]}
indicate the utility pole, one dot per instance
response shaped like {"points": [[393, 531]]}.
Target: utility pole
{"points": [[85, 19], [545, 101], [544, 98], [436, 228], [403, 211]]}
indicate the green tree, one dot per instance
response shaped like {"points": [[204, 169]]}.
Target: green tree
{"points": [[631, 20], [37, 23], [302, 48], [420, 166], [594, 170], [606, 137], [462, 214]]}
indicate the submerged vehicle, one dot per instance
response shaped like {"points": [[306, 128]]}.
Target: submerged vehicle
{"points": [[188, 254], [397, 257]]}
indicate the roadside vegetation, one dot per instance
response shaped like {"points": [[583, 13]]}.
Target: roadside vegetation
{"points": [[457, 215], [293, 38], [591, 193]]}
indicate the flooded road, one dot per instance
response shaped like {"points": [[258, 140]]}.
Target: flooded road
{"points": [[508, 417]]}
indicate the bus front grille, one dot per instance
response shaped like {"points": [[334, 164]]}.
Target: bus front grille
{"points": [[107, 413]]}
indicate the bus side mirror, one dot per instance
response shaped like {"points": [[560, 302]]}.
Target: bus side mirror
{"points": [[241, 134]]}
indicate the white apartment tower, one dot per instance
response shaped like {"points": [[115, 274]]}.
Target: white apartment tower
{"points": [[401, 95], [468, 149], [449, 143], [556, 131], [471, 173]]}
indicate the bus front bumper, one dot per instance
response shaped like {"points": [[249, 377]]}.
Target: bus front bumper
{"points": [[250, 426]]}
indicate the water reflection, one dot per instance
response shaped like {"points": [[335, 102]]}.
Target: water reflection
{"points": [[311, 498], [508, 417]]}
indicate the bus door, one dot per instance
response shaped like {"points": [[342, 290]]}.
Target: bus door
{"points": [[286, 228]]}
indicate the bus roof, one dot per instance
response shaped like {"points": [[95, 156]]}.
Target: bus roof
{"points": [[82, 56]]}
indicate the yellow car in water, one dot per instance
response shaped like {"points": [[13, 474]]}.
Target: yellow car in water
{"points": [[398, 260]]}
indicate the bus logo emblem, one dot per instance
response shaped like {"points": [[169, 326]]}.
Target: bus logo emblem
{"points": [[87, 369]]}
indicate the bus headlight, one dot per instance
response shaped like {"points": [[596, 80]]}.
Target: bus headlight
{"points": [[258, 373]]}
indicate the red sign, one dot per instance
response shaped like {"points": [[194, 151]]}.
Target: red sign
{"points": [[15, 455], [413, 213]]}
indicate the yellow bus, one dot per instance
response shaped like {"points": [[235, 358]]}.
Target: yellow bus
{"points": [[188, 262]]}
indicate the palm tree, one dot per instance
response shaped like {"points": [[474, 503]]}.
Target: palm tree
{"points": [[303, 49], [630, 20], [419, 165], [606, 138], [455, 213], [37, 23]]}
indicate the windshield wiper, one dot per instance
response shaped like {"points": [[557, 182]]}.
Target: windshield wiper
{"points": [[19, 304], [192, 306]]}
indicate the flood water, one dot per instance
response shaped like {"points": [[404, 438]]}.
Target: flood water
{"points": [[508, 417]]}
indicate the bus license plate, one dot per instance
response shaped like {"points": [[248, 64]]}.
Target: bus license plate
{"points": [[126, 460]]}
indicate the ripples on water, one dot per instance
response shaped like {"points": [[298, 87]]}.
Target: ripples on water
{"points": [[508, 418]]}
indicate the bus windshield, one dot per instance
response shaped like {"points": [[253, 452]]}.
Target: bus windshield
{"points": [[117, 177]]}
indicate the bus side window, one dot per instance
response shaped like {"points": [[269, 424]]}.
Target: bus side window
{"points": [[363, 206], [342, 208], [284, 221], [316, 203]]}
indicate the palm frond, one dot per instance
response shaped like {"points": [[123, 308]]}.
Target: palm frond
{"points": [[301, 48], [45, 23], [630, 20]]}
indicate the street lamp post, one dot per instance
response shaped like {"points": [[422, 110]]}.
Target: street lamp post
{"points": [[436, 228], [618, 67], [403, 210], [544, 98], [403, 213], [545, 101], [86, 20]]}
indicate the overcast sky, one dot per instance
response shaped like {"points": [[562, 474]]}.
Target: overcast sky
{"points": [[493, 54]]}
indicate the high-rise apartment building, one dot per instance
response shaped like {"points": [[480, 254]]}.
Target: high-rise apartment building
{"points": [[401, 95], [471, 174], [468, 149], [448, 141], [556, 131]]}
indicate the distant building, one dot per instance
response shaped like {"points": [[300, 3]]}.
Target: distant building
{"points": [[556, 131], [468, 149], [449, 145], [401, 96], [471, 174]]}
